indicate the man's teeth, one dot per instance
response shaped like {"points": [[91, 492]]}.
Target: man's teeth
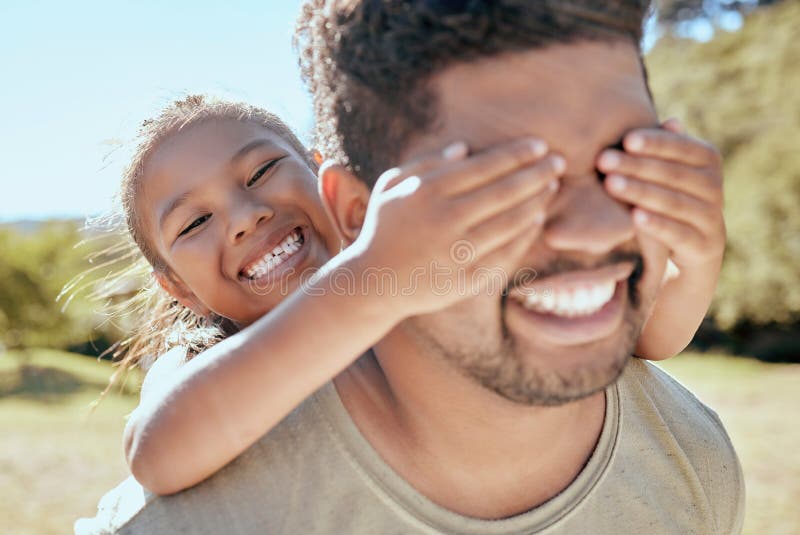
{"points": [[582, 301], [290, 245]]}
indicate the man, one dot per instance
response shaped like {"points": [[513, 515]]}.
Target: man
{"points": [[485, 417]]}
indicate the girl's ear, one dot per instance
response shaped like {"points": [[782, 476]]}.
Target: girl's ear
{"points": [[177, 289], [345, 198]]}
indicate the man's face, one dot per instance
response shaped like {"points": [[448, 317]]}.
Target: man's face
{"points": [[579, 98]]}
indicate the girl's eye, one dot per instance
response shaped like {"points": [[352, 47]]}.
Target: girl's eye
{"points": [[262, 171], [194, 224]]}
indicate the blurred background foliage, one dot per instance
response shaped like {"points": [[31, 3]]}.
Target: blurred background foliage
{"points": [[34, 265], [37, 262], [673, 13]]}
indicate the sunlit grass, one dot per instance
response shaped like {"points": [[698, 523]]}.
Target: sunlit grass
{"points": [[760, 406], [56, 461]]}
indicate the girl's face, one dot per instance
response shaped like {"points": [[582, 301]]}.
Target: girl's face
{"points": [[234, 212]]}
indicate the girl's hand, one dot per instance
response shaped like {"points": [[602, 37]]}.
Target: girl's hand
{"points": [[443, 223], [674, 182]]}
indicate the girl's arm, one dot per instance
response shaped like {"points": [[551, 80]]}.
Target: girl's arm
{"points": [[674, 182], [223, 400], [679, 309], [220, 402], [162, 371]]}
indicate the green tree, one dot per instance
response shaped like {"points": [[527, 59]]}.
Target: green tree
{"points": [[34, 266], [672, 12], [741, 91]]}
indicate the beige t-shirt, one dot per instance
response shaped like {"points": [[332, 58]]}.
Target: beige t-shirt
{"points": [[663, 464]]}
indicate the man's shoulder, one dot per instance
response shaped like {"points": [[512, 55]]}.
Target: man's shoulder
{"points": [[652, 387], [663, 414]]}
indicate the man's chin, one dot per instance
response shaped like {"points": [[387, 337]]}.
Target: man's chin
{"points": [[553, 370], [520, 365], [561, 375], [540, 376]]}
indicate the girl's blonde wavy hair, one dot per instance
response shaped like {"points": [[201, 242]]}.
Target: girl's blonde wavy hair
{"points": [[158, 322]]}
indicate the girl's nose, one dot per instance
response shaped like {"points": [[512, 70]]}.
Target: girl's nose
{"points": [[586, 219], [246, 217]]}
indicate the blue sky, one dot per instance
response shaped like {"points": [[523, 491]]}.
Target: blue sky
{"points": [[79, 77]]}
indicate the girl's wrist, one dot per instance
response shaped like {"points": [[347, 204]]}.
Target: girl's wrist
{"points": [[699, 274], [370, 289]]}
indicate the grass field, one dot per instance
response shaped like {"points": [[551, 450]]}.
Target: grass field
{"points": [[55, 462], [55, 459], [759, 404]]}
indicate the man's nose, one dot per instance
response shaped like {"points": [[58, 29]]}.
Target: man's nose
{"points": [[246, 216], [584, 218]]}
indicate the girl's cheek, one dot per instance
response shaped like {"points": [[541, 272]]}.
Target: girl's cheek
{"points": [[196, 256]]}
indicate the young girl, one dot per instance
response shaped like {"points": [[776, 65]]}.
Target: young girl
{"points": [[221, 199]]}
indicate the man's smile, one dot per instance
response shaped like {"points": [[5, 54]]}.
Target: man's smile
{"points": [[572, 294], [574, 307]]}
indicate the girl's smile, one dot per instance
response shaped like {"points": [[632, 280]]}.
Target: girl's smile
{"points": [[275, 254]]}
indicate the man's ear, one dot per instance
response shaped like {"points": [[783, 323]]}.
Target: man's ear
{"points": [[177, 289], [345, 198]]}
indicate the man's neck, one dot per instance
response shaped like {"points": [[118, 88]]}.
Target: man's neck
{"points": [[461, 445]]}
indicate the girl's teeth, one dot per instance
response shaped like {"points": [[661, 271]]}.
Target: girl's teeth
{"points": [[276, 257]]}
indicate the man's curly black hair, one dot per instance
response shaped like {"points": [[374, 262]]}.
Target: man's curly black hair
{"points": [[368, 62]]}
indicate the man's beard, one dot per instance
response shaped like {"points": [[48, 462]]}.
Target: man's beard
{"points": [[505, 371]]}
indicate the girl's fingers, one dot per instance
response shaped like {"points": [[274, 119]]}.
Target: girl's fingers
{"points": [[673, 125], [676, 176], [667, 145], [681, 238], [496, 268], [493, 232], [661, 200], [488, 165], [424, 164], [498, 196]]}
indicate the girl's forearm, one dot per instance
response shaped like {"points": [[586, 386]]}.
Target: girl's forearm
{"points": [[679, 310], [224, 399]]}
